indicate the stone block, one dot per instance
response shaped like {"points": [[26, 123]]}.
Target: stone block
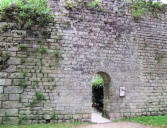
{"points": [[47, 117], [10, 120], [86, 116], [11, 104], [2, 112], [1, 89], [24, 112], [14, 61], [3, 74], [60, 117], [11, 68], [13, 96], [13, 49], [12, 112], [18, 33], [77, 116], [67, 117], [16, 75], [9, 112], [5, 81], [13, 89], [3, 97]]}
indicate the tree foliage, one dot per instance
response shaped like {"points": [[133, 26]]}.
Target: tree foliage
{"points": [[97, 81]]}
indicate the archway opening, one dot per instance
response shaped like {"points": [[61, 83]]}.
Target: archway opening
{"points": [[101, 93]]}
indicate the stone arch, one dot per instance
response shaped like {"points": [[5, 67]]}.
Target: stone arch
{"points": [[107, 93]]}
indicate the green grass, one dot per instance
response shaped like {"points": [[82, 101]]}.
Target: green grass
{"points": [[150, 120], [58, 125]]}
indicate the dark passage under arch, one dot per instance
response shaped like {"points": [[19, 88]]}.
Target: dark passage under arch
{"points": [[101, 93]]}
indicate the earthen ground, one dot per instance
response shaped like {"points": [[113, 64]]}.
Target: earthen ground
{"points": [[116, 125]]}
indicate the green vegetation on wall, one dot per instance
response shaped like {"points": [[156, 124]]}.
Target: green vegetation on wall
{"points": [[70, 4], [22, 83], [37, 99], [4, 57], [95, 3], [28, 20], [140, 7], [5, 27], [25, 13]]}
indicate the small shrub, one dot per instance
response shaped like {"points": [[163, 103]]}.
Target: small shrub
{"points": [[4, 57], [33, 103], [6, 117], [53, 117], [42, 50], [40, 41], [23, 60], [38, 97], [5, 27], [52, 79], [59, 37], [29, 23], [46, 34], [22, 47], [96, 4], [40, 71], [155, 7], [35, 84], [159, 57], [58, 54], [70, 4], [23, 118], [20, 98], [22, 83], [24, 73], [50, 66]]}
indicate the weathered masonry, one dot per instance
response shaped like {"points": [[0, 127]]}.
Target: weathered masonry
{"points": [[47, 77]]}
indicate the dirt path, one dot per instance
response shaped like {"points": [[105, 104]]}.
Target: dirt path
{"points": [[116, 125]]}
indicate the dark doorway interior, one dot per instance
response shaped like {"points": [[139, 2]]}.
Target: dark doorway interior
{"points": [[97, 93]]}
